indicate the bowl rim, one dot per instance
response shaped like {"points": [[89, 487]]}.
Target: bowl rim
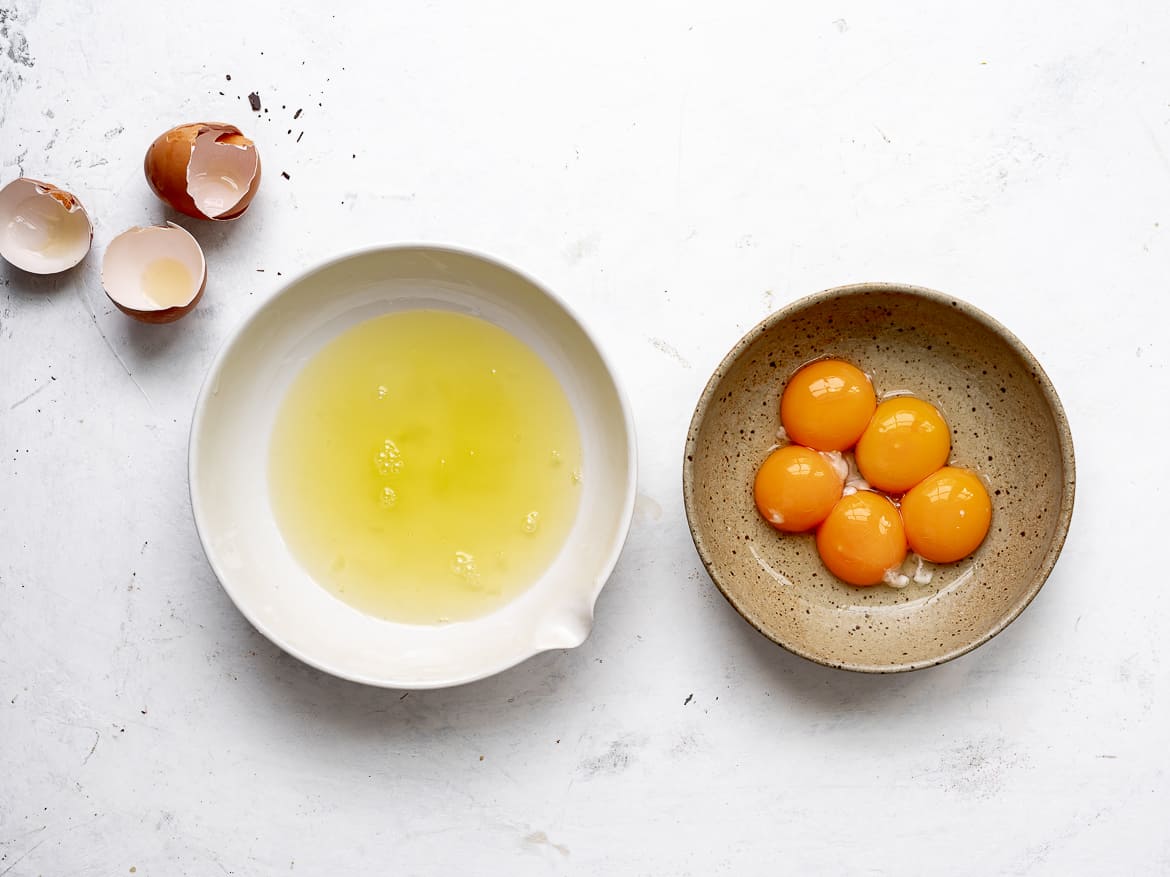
{"points": [[199, 413], [1048, 391]]}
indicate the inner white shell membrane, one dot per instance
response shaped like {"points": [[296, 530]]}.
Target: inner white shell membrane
{"points": [[37, 232], [132, 257], [219, 174]]}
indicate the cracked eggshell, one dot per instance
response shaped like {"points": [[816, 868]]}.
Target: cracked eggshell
{"points": [[43, 229], [208, 170], [155, 274]]}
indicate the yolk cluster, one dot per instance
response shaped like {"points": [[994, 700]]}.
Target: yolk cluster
{"points": [[901, 448]]}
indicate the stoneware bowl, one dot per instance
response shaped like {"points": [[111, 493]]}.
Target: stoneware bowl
{"points": [[1006, 421], [232, 428]]}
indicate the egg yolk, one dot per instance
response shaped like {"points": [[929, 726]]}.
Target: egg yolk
{"points": [[906, 440], [947, 516], [862, 539], [796, 488], [827, 404]]}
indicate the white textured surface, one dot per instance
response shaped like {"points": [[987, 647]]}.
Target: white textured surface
{"points": [[675, 171]]}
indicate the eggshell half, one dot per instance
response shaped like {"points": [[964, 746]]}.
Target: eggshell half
{"points": [[155, 274], [208, 170], [43, 229]]}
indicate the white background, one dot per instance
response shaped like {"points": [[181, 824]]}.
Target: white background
{"points": [[676, 171]]}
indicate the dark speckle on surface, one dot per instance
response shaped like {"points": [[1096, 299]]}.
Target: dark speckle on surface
{"points": [[285, 175], [254, 102], [616, 758], [18, 49]]}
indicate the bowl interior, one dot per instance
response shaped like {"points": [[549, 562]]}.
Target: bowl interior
{"points": [[1006, 423], [232, 429]]}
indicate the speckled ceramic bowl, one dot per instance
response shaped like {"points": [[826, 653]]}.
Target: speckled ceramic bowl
{"points": [[1006, 422]]}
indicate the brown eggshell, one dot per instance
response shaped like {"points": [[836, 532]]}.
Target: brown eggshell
{"points": [[159, 317], [24, 244], [127, 258], [239, 139], [169, 158]]}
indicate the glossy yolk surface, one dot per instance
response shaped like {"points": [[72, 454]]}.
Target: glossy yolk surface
{"points": [[862, 538], [906, 440], [947, 515], [826, 405], [796, 488]]}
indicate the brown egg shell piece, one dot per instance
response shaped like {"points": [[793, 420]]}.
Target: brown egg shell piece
{"points": [[127, 258], [32, 258], [175, 160]]}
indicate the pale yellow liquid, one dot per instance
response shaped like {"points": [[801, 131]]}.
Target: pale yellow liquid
{"points": [[425, 467], [167, 282]]}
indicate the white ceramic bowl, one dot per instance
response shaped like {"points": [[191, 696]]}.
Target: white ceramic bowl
{"points": [[230, 435]]}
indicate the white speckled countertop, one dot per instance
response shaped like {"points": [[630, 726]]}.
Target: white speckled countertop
{"points": [[675, 171]]}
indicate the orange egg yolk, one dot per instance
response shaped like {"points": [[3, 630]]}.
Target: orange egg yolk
{"points": [[862, 539], [827, 404], [947, 515], [906, 440], [796, 488]]}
